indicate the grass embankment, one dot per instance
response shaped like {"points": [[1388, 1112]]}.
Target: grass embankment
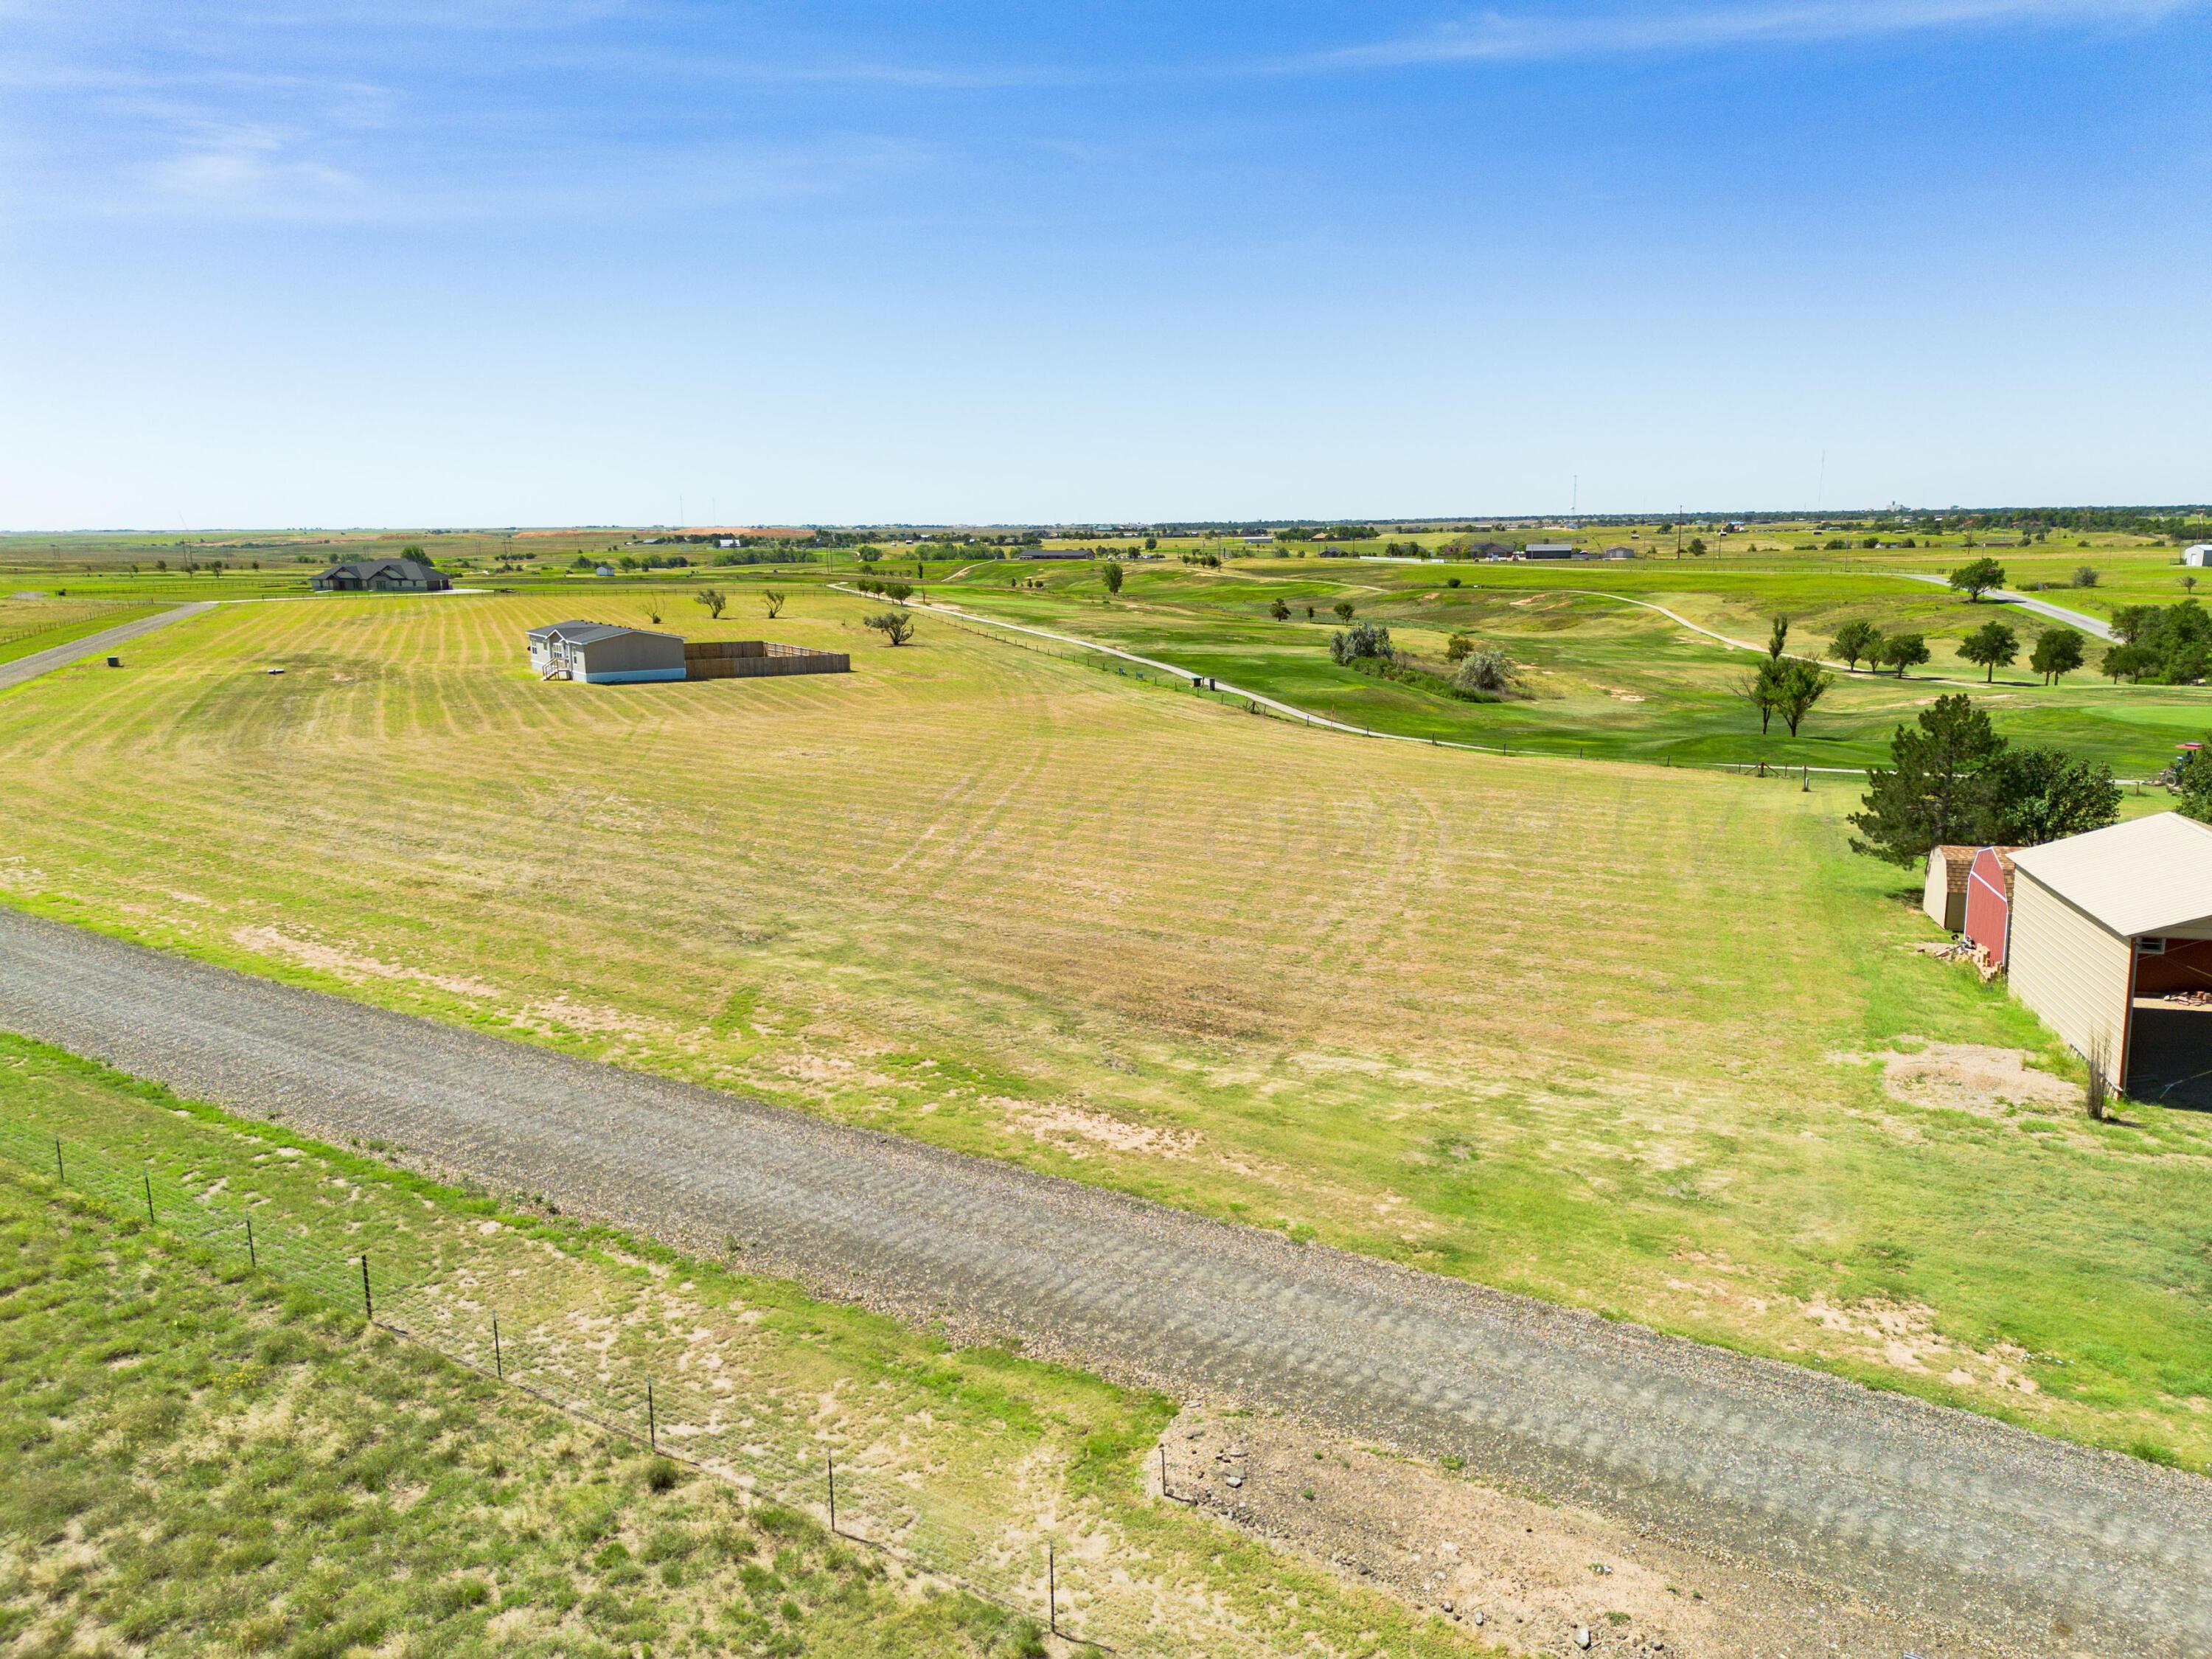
{"points": [[1600, 1034], [315, 1487]]}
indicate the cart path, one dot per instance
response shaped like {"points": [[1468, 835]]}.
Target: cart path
{"points": [[1997, 1537], [2057, 613], [92, 644]]}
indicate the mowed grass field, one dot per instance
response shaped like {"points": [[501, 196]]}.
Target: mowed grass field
{"points": [[1600, 1033]]}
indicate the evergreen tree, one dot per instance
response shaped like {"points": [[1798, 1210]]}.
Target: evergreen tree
{"points": [[1934, 789]]}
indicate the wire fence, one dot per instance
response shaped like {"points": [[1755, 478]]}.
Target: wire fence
{"points": [[1079, 1579]]}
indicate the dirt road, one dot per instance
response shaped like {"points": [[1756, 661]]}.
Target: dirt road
{"points": [[92, 644], [1995, 1540]]}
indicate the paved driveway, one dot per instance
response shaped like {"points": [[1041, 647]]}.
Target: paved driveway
{"points": [[1999, 1536]]}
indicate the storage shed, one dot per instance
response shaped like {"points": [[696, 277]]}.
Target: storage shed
{"points": [[605, 653], [1989, 903], [2111, 942], [1944, 898], [2200, 555]]}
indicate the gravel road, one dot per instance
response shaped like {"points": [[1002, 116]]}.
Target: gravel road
{"points": [[2000, 1540], [92, 644]]}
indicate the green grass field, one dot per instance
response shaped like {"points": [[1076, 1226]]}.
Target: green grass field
{"points": [[30, 626], [1597, 1033], [1611, 674], [327, 1489]]}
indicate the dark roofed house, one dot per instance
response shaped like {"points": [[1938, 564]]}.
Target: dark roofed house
{"points": [[1550, 550], [382, 577]]}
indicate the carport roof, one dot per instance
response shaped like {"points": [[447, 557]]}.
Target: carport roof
{"points": [[2138, 877]]}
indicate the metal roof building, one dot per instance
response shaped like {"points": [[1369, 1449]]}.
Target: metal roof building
{"points": [[605, 653], [2111, 942]]}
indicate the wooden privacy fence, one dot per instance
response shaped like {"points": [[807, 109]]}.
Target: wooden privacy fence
{"points": [[738, 660]]}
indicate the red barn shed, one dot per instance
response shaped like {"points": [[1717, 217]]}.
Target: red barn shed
{"points": [[1989, 903]]}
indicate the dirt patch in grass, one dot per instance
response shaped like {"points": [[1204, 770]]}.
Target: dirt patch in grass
{"points": [[1973, 1077], [346, 965], [1057, 1122], [1530, 1576]]}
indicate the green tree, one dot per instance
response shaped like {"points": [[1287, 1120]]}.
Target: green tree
{"points": [[1762, 688], [1279, 612], [1977, 579], [1934, 790], [1991, 647], [2036, 795], [2057, 652], [1343, 609], [1903, 651], [1857, 642], [713, 598], [1799, 685], [1777, 639], [772, 602], [895, 626], [2127, 662], [1110, 574]]}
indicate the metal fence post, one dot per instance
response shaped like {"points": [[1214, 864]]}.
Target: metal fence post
{"points": [[652, 1425], [251, 1261], [498, 1362], [1051, 1589], [149, 1179], [61, 1174], [368, 1306], [833, 1492]]}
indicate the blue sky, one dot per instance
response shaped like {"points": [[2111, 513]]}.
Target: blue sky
{"points": [[483, 262]]}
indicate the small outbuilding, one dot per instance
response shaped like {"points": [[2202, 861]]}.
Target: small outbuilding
{"points": [[2200, 555], [1944, 898], [1549, 550], [2111, 944], [381, 576], [1989, 904], [605, 654]]}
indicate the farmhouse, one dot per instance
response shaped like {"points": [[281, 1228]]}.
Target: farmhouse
{"points": [[1944, 898], [604, 654], [381, 576], [2111, 942]]}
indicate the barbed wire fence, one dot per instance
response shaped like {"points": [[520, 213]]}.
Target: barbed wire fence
{"points": [[1079, 1581]]}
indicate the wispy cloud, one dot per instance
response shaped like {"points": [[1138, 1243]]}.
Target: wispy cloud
{"points": [[1497, 37]]}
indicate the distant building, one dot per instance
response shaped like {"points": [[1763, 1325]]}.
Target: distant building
{"points": [[1549, 550], [1620, 552], [603, 570], [2199, 555], [605, 653], [381, 576]]}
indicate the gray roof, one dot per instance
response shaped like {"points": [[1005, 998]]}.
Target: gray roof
{"points": [[408, 570], [590, 633]]}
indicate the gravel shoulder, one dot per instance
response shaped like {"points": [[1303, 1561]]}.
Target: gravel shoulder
{"points": [[92, 644], [1999, 1541]]}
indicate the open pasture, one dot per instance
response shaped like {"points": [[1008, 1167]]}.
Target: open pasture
{"points": [[1604, 1034]]}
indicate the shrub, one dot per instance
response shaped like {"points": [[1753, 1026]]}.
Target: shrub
{"points": [[1485, 668], [661, 1474], [1360, 640]]}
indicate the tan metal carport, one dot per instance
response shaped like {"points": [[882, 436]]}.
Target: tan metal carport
{"points": [[2112, 945]]}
